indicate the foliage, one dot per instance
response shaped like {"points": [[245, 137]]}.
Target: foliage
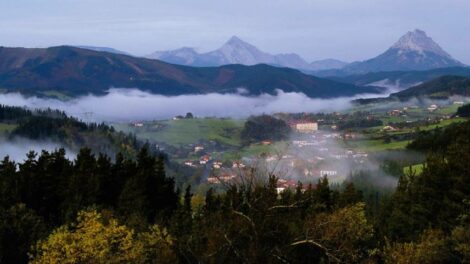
{"points": [[264, 127], [95, 238], [464, 111]]}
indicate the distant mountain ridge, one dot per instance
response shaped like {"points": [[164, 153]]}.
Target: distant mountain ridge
{"points": [[414, 51], [237, 51], [104, 49], [76, 71]]}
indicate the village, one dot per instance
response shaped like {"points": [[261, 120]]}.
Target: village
{"points": [[319, 144], [309, 155]]}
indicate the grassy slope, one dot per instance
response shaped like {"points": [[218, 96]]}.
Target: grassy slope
{"points": [[6, 127], [375, 144], [189, 131]]}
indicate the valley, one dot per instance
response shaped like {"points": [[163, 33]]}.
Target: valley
{"points": [[279, 132]]}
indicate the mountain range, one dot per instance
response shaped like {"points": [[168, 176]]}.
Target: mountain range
{"points": [[75, 71], [414, 51], [237, 51]]}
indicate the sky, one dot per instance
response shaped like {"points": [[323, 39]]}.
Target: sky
{"points": [[349, 30]]}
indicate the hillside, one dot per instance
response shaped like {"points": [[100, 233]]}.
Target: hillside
{"points": [[400, 79], [74, 71], [441, 87]]}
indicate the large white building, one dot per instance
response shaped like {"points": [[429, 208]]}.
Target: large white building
{"points": [[305, 126]]}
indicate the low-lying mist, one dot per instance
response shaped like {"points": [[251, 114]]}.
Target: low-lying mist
{"points": [[18, 148], [122, 105]]}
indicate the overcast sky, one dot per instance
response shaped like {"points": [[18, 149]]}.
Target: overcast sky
{"points": [[316, 29]]}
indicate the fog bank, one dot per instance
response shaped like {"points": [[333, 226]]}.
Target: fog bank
{"points": [[132, 104], [18, 148]]}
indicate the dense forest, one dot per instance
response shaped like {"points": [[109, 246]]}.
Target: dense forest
{"points": [[464, 111], [95, 210], [56, 126]]}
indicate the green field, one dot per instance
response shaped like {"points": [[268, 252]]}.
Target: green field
{"points": [[56, 95], [369, 145], [6, 127], [188, 131]]}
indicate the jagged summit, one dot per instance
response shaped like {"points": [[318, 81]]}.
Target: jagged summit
{"points": [[413, 51], [237, 51], [234, 40], [418, 41]]}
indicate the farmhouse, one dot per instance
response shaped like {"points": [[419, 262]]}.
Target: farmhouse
{"points": [[432, 108], [217, 164], [204, 159], [389, 128], [238, 164], [198, 148]]}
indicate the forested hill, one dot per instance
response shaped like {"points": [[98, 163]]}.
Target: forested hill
{"points": [[402, 78], [441, 87], [56, 126], [74, 71]]}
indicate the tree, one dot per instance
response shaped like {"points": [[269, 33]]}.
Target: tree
{"points": [[264, 127], [344, 233], [433, 247], [20, 227], [95, 238]]}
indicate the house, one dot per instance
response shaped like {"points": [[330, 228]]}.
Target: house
{"points": [[266, 142], [238, 164], [204, 159], [198, 148], [217, 164], [189, 163], [138, 124], [389, 128], [328, 173], [395, 112], [458, 103], [304, 126], [283, 184], [432, 108]]}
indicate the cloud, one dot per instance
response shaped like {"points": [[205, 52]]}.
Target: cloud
{"points": [[122, 105]]}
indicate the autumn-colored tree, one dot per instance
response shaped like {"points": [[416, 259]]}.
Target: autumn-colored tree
{"points": [[96, 238], [345, 233]]}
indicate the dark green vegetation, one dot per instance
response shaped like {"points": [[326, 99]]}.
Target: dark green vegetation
{"points": [[48, 190], [424, 221], [264, 127], [73, 71], [56, 126], [464, 111], [441, 87]]}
